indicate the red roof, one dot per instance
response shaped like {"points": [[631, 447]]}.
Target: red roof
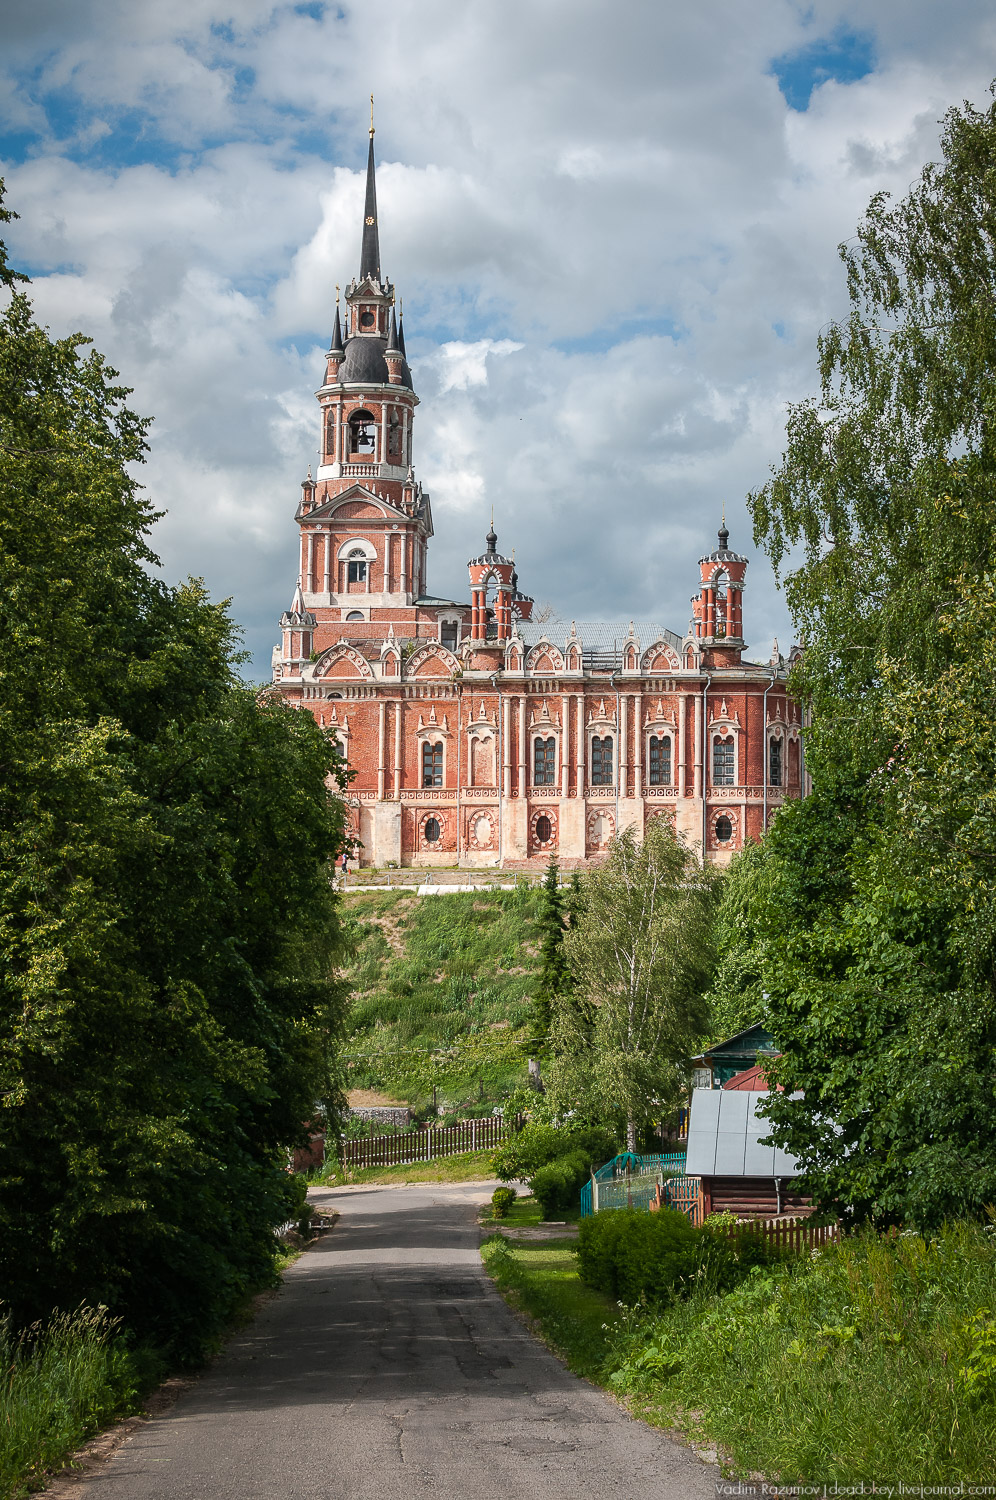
{"points": [[751, 1081]]}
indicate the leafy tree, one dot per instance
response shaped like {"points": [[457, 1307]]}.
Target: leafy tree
{"points": [[169, 1003], [736, 996], [639, 959], [550, 928], [878, 928]]}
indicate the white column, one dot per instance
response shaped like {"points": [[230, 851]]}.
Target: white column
{"points": [[523, 747], [310, 584], [404, 562], [383, 432], [622, 780], [381, 747], [565, 745], [327, 582], [506, 770], [580, 748], [638, 745], [697, 787], [397, 750], [682, 704], [406, 456]]}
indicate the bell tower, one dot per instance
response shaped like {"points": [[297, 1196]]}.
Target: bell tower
{"points": [[365, 520], [717, 609]]}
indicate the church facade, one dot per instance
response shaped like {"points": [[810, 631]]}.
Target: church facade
{"points": [[479, 736]]}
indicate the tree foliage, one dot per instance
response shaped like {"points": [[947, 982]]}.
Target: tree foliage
{"points": [[551, 927], [879, 922], [169, 1004], [639, 960]]}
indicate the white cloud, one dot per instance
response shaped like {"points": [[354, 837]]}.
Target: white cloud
{"points": [[615, 243]]}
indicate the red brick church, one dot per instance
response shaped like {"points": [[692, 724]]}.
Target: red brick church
{"points": [[478, 736]]}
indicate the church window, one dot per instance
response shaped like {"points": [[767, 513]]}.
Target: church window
{"points": [[432, 831], [660, 760], [356, 567], [723, 768], [362, 432], [330, 432], [355, 614], [449, 634], [394, 435], [601, 761], [724, 829], [544, 762], [544, 828], [432, 764], [774, 762]]}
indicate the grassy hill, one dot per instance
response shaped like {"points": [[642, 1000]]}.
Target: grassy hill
{"points": [[442, 993]]}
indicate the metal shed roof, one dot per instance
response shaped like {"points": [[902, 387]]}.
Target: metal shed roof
{"points": [[726, 1137]]}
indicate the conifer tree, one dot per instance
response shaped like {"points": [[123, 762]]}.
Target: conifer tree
{"points": [[553, 967]]}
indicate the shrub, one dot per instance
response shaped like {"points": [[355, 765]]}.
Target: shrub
{"points": [[636, 1256], [557, 1186], [501, 1201], [537, 1145]]}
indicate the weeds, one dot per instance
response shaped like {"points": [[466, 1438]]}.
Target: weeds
{"points": [[60, 1384], [442, 993]]}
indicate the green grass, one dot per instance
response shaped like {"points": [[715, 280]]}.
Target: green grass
{"points": [[541, 1279], [442, 993], [525, 1213], [59, 1385], [468, 1166], [873, 1362]]}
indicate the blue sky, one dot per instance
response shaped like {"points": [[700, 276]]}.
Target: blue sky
{"points": [[615, 244]]}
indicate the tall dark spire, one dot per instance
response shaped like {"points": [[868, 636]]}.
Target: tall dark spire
{"points": [[401, 333], [370, 250], [336, 346]]}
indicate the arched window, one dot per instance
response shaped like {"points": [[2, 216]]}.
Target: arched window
{"points": [[432, 764], [724, 829], [544, 762], [330, 412], [723, 762], [432, 831], [660, 760], [394, 435], [362, 432], [775, 762], [355, 614], [601, 761], [356, 566], [544, 828]]}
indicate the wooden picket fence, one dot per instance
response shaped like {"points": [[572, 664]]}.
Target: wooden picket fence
{"points": [[795, 1234], [411, 1146]]}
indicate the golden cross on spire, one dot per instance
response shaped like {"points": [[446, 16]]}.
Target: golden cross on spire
{"points": [[337, 294], [371, 114]]}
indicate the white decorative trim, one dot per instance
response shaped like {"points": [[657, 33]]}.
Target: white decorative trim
{"points": [[535, 842], [608, 828], [342, 651], [425, 653], [357, 544], [657, 649], [544, 647]]}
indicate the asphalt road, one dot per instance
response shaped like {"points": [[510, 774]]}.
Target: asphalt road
{"points": [[387, 1368]]}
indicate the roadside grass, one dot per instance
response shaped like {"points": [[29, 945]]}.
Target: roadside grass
{"points": [[430, 973], [525, 1213], [60, 1385], [871, 1362], [468, 1166], [541, 1279]]}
